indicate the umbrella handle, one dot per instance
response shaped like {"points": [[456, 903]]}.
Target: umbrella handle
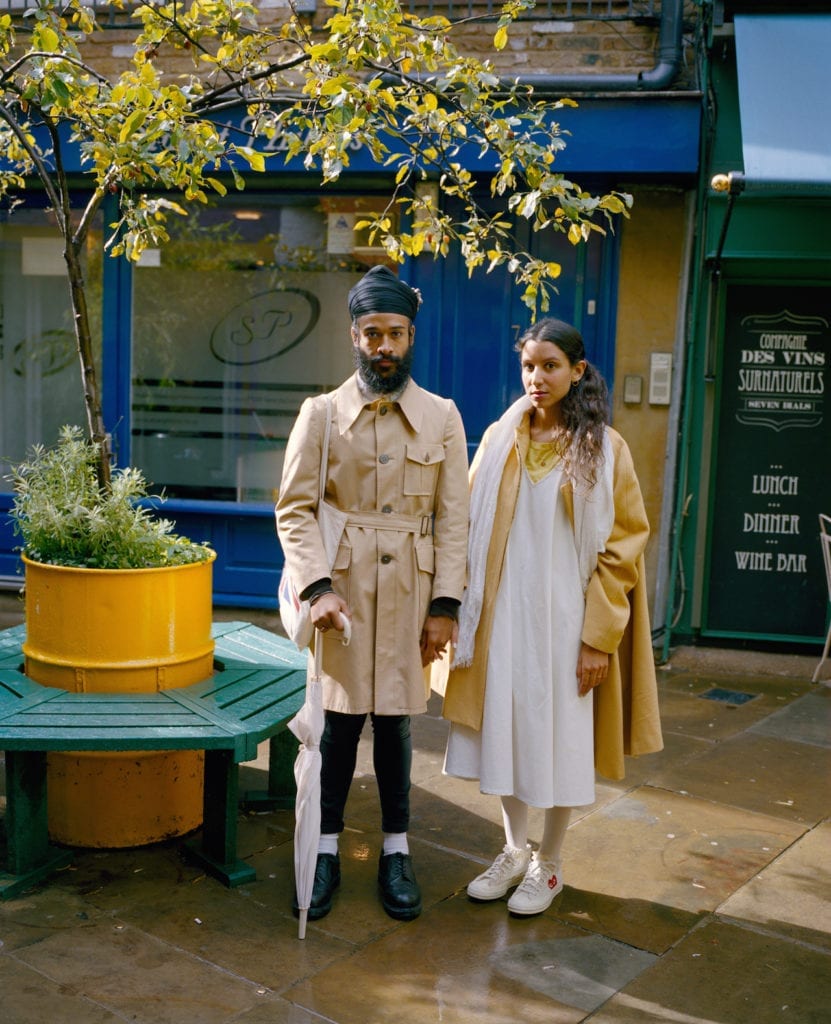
{"points": [[347, 629]]}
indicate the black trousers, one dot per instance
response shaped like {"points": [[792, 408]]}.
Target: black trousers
{"points": [[392, 755]]}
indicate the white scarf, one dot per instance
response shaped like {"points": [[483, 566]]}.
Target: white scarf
{"points": [[594, 516]]}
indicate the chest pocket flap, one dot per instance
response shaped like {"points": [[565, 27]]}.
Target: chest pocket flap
{"points": [[421, 467]]}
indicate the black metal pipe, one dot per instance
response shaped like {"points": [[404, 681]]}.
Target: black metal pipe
{"points": [[661, 76]]}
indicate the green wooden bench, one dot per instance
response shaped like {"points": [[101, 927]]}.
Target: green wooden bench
{"points": [[258, 685]]}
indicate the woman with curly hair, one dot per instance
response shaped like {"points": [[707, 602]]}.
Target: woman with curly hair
{"points": [[553, 674]]}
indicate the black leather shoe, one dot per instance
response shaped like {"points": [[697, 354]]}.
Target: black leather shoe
{"points": [[327, 879], [400, 893]]}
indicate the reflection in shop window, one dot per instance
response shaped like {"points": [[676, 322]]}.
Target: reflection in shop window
{"points": [[236, 320], [40, 382]]}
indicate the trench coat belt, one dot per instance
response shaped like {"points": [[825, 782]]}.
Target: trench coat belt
{"points": [[422, 526]]}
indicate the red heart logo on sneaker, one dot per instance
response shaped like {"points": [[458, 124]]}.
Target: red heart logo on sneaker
{"points": [[552, 882]]}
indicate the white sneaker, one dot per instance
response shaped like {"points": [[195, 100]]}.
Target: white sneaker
{"points": [[508, 869], [537, 890]]}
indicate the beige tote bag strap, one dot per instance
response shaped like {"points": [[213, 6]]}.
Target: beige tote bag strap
{"points": [[324, 454]]}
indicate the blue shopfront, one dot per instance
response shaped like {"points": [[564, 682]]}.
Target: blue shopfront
{"points": [[209, 345]]}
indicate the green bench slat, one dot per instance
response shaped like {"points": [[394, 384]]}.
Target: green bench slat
{"points": [[122, 740], [57, 716], [254, 714], [225, 685], [12, 638], [14, 685], [239, 693], [87, 707], [11, 704], [252, 644]]}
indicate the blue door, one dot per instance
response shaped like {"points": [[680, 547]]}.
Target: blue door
{"points": [[468, 326]]}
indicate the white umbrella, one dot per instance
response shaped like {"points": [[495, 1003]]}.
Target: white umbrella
{"points": [[307, 726]]}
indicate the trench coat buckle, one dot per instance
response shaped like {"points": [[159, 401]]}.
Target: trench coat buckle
{"points": [[427, 526]]}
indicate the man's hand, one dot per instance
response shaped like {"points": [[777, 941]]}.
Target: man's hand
{"points": [[438, 632], [327, 611], [592, 669]]}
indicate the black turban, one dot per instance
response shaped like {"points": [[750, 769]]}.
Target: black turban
{"points": [[380, 291]]}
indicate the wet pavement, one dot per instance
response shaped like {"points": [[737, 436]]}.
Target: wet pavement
{"points": [[698, 891]]}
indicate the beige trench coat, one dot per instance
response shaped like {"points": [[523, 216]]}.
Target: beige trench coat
{"points": [[626, 717], [392, 460]]}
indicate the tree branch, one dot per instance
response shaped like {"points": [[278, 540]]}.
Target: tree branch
{"points": [[42, 170]]}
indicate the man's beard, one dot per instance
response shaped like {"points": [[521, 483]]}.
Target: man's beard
{"points": [[388, 382]]}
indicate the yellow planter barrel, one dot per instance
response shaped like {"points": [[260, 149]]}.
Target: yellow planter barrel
{"points": [[120, 631]]}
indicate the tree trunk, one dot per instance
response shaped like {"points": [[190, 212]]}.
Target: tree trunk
{"points": [[89, 380]]}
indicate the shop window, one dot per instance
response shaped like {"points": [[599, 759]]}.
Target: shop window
{"points": [[236, 320], [40, 388]]}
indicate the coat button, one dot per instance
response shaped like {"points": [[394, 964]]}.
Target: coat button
{"points": [[426, 456], [386, 559], [384, 410], [383, 459], [387, 508]]}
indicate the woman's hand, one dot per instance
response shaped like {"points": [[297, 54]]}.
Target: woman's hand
{"points": [[592, 669], [438, 632]]}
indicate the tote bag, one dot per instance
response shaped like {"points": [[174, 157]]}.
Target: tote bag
{"points": [[296, 614]]}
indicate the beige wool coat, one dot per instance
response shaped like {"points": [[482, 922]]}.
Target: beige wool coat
{"points": [[626, 717], [400, 470]]}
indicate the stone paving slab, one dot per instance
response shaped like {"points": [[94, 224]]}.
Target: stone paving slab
{"points": [[583, 972], [248, 931], [758, 773], [679, 748], [724, 974], [792, 896], [807, 720], [139, 978], [27, 997], [663, 848], [455, 815], [279, 1011], [34, 917], [690, 715], [741, 662], [643, 924], [460, 963]]}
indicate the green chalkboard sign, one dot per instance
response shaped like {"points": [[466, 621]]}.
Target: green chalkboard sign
{"points": [[773, 464]]}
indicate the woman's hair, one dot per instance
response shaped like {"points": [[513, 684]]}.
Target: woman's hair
{"points": [[585, 409]]}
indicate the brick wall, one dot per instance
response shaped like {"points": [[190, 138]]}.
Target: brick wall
{"points": [[538, 44]]}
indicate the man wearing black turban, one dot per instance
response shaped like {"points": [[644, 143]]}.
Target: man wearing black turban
{"points": [[398, 468]]}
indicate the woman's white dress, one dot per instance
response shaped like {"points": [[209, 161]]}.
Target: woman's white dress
{"points": [[537, 740]]}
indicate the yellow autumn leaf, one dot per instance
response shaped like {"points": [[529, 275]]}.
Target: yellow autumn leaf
{"points": [[46, 39], [613, 204], [255, 159], [132, 124]]}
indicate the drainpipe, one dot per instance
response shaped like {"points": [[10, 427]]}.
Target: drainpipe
{"points": [[670, 46], [659, 77]]}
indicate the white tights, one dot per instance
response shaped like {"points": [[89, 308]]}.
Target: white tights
{"points": [[515, 819]]}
